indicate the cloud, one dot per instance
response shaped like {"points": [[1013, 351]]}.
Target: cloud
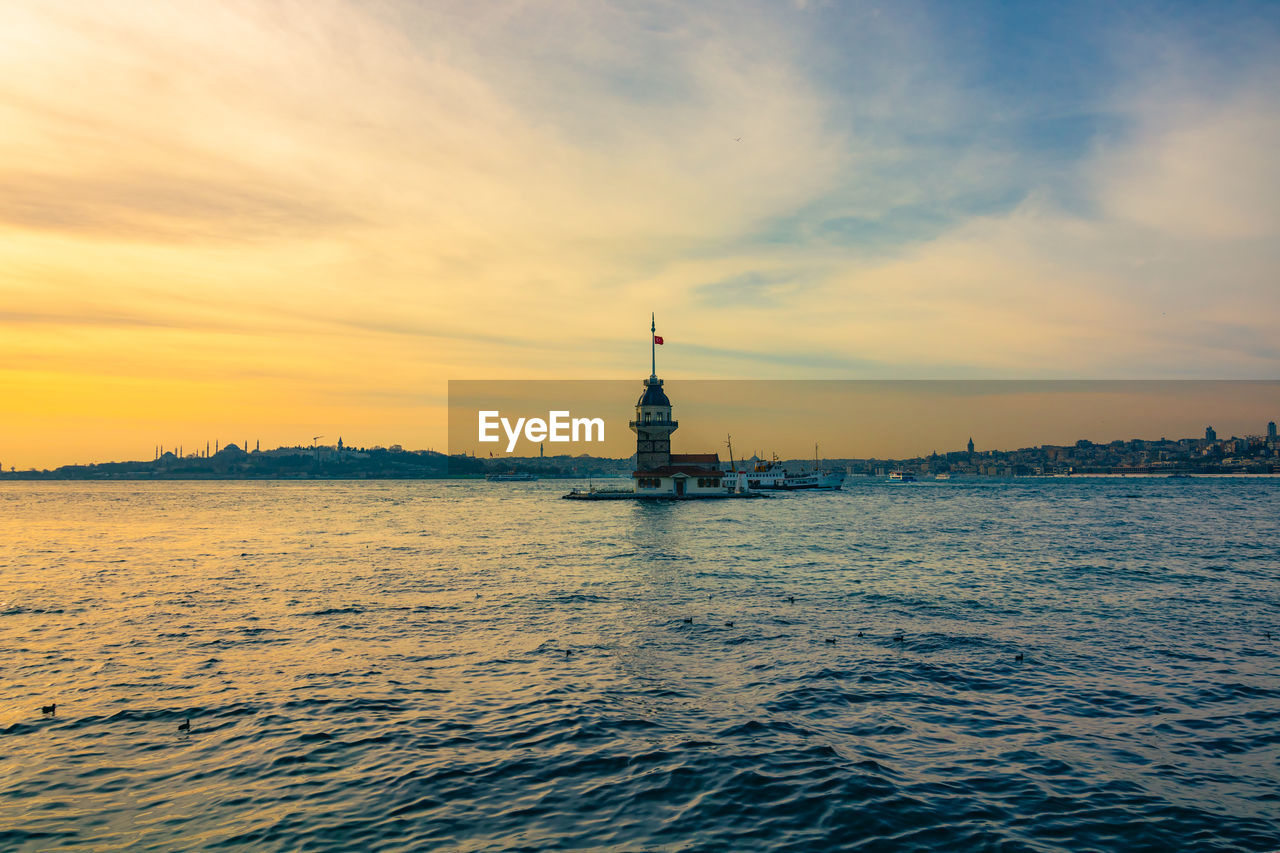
{"points": [[758, 289], [167, 208], [1201, 171]]}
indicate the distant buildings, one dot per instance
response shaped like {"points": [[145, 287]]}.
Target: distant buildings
{"points": [[1251, 454]]}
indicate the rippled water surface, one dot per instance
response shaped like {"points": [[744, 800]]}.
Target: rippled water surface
{"points": [[476, 666]]}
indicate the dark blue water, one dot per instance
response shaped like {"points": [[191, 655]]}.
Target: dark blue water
{"points": [[382, 666]]}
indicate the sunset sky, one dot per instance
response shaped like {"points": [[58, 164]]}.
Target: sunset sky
{"points": [[273, 220]]}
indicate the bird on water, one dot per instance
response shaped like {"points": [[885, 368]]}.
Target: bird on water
{"points": [[728, 624], [1018, 657], [185, 726], [49, 709], [791, 599], [688, 620], [831, 640], [897, 638]]}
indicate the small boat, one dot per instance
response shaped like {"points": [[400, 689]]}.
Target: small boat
{"points": [[943, 476], [902, 476]]}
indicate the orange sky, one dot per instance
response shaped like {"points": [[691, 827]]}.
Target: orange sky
{"points": [[268, 221]]}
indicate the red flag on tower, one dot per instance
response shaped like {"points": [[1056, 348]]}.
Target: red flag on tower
{"points": [[657, 339]]}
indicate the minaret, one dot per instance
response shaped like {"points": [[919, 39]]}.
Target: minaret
{"points": [[653, 424]]}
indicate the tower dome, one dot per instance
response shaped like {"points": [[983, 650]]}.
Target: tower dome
{"points": [[653, 394]]}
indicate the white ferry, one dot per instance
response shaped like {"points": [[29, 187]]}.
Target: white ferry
{"points": [[760, 475], [902, 476]]}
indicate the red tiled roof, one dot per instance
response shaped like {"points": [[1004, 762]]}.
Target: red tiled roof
{"points": [[695, 459]]}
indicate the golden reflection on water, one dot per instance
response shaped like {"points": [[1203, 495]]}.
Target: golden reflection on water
{"points": [[385, 662]]}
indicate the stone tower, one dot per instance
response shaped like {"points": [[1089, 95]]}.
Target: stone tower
{"points": [[653, 424], [653, 427]]}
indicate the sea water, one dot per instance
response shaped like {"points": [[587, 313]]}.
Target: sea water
{"points": [[475, 666]]}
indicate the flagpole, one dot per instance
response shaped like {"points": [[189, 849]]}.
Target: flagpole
{"points": [[653, 347]]}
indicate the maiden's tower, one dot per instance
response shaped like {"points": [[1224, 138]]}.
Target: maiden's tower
{"points": [[659, 472]]}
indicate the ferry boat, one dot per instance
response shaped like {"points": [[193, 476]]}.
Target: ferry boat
{"points": [[943, 476], [902, 476], [511, 477], [761, 475]]}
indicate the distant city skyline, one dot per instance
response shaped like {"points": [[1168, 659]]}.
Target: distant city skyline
{"points": [[295, 219], [1250, 454], [866, 418], [882, 420]]}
